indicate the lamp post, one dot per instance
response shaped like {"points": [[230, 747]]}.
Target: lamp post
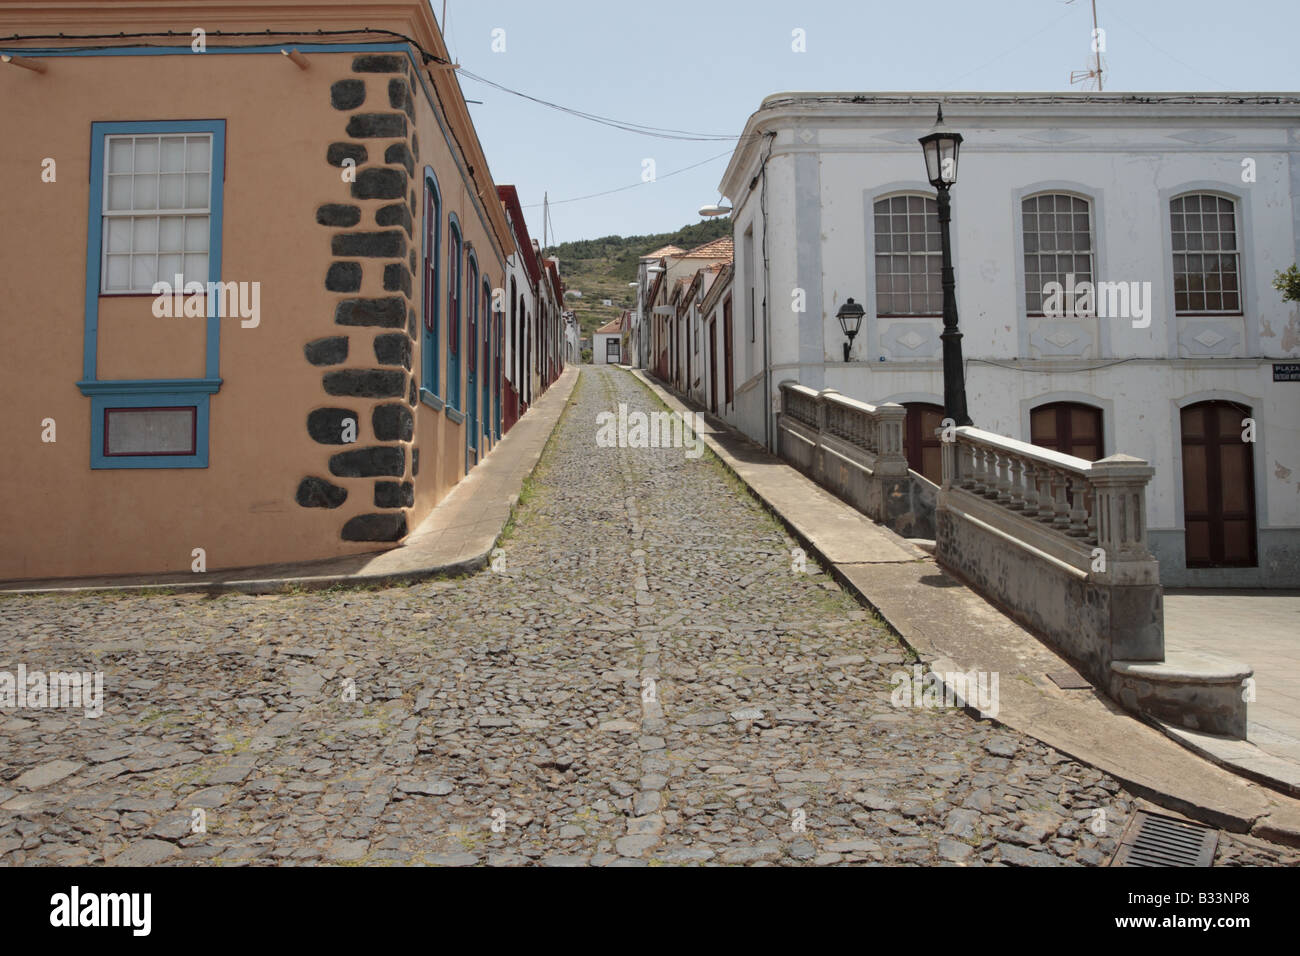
{"points": [[940, 146], [850, 316]]}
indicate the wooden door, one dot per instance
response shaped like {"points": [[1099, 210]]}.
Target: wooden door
{"points": [[1071, 428], [1218, 486], [712, 346], [920, 443]]}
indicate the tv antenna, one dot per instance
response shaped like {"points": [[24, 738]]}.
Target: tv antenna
{"points": [[1090, 76]]}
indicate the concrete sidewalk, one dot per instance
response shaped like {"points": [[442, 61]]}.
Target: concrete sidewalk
{"points": [[457, 536], [953, 629]]}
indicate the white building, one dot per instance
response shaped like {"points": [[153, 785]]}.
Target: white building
{"points": [[607, 342], [1193, 197]]}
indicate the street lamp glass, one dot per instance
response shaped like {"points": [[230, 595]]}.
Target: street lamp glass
{"points": [[850, 316], [941, 146]]}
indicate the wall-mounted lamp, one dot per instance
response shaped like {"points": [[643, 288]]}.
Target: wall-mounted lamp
{"points": [[850, 316], [714, 209], [36, 66], [300, 61]]}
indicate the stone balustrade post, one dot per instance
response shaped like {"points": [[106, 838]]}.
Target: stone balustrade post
{"points": [[1119, 484], [890, 460]]}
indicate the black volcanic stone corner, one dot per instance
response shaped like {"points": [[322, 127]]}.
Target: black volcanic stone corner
{"points": [[393, 349], [327, 351], [399, 97], [394, 215], [386, 313], [378, 63], [338, 152], [389, 244], [390, 526], [399, 153], [393, 423], [349, 94], [394, 494], [319, 493], [397, 278], [377, 126], [334, 214], [412, 327], [365, 383], [381, 183], [375, 462], [413, 396], [415, 462], [325, 425], [343, 277], [415, 147]]}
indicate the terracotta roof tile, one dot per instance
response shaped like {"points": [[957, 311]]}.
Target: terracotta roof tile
{"points": [[669, 250], [724, 248]]}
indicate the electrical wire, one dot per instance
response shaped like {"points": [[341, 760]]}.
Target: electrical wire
{"points": [[644, 182]]}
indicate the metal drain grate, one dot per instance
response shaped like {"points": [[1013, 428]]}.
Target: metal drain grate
{"points": [[1068, 680], [1154, 840]]}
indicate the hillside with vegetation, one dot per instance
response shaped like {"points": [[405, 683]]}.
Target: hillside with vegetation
{"points": [[602, 268]]}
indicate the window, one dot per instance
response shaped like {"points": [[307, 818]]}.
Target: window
{"points": [[453, 312], [1071, 428], [430, 360], [471, 309], [150, 431], [1203, 228], [1057, 233], [611, 350], [157, 211], [909, 256]]}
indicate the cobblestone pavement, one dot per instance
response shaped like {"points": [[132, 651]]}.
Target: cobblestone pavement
{"points": [[643, 679]]}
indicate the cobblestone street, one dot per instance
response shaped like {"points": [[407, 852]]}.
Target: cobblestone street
{"points": [[643, 678]]}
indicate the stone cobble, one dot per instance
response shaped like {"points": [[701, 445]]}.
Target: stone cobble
{"points": [[649, 674]]}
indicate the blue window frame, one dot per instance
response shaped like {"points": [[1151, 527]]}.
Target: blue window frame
{"points": [[455, 264], [430, 359], [151, 393]]}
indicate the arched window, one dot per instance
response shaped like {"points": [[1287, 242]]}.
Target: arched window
{"points": [[454, 266], [472, 313], [1071, 428], [1057, 234], [430, 360], [1203, 230], [1218, 486], [908, 256]]}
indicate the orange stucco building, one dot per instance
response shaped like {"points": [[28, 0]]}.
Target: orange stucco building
{"points": [[329, 209]]}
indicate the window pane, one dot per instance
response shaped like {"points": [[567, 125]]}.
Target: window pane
{"points": [[173, 154], [120, 153], [119, 235], [119, 272], [198, 153], [196, 268], [144, 236], [143, 271], [146, 192], [149, 431], [119, 192], [146, 155], [196, 191], [196, 234], [171, 191], [171, 234]]}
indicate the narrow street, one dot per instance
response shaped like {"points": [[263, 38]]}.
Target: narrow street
{"points": [[643, 677]]}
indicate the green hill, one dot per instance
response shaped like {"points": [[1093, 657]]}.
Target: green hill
{"points": [[602, 268]]}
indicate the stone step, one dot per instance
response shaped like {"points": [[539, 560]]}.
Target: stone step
{"points": [[1191, 689]]}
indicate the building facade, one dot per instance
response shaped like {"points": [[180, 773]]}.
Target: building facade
{"points": [[1180, 208], [333, 361]]}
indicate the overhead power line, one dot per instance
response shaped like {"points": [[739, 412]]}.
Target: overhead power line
{"points": [[619, 189]]}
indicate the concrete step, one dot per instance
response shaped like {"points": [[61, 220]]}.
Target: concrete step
{"points": [[1191, 689]]}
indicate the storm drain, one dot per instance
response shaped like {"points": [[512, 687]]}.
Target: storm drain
{"points": [[1068, 680], [1154, 840]]}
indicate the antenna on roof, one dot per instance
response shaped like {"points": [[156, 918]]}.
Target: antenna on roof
{"points": [[1087, 77]]}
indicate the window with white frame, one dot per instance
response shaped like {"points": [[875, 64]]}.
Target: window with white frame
{"points": [[1057, 233], [1203, 228], [157, 210], [909, 256]]}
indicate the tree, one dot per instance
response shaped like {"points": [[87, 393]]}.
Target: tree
{"points": [[1288, 283]]}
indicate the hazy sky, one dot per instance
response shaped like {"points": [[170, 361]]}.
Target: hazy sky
{"points": [[703, 66]]}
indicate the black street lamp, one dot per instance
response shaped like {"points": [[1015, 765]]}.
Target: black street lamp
{"points": [[940, 146], [850, 316]]}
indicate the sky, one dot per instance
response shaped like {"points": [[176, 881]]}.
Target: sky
{"points": [[703, 66]]}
